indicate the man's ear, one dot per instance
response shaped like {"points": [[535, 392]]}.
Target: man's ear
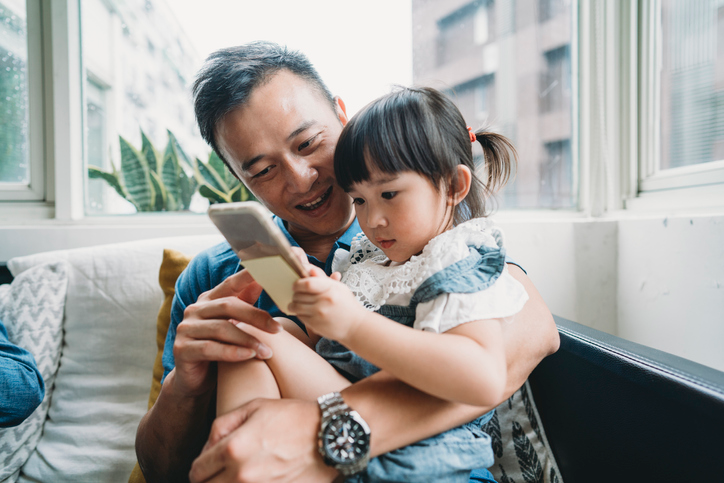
{"points": [[341, 110], [461, 186]]}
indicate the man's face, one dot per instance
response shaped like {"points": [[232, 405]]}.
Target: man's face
{"points": [[281, 145]]}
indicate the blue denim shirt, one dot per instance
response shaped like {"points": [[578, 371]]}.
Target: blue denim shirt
{"points": [[21, 386], [211, 267]]}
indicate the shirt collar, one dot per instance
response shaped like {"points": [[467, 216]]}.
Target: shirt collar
{"points": [[343, 242]]}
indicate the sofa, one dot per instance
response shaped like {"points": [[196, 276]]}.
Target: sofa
{"points": [[601, 408]]}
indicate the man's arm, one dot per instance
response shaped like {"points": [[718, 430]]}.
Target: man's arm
{"points": [[530, 337], [173, 432], [257, 440]]}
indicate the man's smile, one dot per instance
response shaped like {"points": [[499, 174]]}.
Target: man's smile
{"points": [[314, 204]]}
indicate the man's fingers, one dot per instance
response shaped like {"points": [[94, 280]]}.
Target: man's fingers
{"points": [[210, 463], [229, 422], [241, 285], [217, 340], [233, 308], [214, 457]]}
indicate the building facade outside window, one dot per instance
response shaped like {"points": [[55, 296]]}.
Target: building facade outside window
{"points": [[517, 82]]}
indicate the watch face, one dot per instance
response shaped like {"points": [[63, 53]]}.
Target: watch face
{"points": [[345, 440]]}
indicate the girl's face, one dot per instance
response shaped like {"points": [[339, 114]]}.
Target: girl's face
{"points": [[401, 212]]}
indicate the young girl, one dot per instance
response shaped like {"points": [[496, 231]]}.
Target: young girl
{"points": [[421, 288]]}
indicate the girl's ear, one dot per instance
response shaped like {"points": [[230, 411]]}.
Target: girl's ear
{"points": [[461, 187]]}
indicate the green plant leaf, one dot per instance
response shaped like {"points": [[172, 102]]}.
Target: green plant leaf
{"points": [[236, 193], [136, 177], [152, 156], [214, 196], [208, 175], [183, 159], [170, 171], [111, 178], [161, 203], [219, 166]]}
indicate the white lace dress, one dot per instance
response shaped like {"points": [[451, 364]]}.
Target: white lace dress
{"points": [[376, 281]]}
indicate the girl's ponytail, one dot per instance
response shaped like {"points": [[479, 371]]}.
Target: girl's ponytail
{"points": [[500, 160]]}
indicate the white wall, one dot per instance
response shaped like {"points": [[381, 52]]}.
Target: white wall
{"points": [[656, 280], [671, 285]]}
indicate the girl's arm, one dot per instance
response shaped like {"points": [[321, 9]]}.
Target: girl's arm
{"points": [[466, 364]]}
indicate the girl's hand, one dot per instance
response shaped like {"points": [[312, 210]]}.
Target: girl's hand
{"points": [[326, 305]]}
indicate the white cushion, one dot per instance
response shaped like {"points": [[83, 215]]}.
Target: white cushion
{"points": [[102, 385], [31, 308]]}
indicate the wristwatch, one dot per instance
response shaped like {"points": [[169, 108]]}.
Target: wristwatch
{"points": [[344, 437]]}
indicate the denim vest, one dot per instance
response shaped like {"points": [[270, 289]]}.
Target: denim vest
{"points": [[474, 273], [450, 456]]}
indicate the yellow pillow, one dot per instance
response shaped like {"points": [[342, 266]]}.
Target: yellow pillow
{"points": [[174, 262]]}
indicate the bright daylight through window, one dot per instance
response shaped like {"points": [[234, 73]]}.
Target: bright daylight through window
{"points": [[506, 63]]}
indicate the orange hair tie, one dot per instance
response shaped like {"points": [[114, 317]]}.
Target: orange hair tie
{"points": [[472, 134]]}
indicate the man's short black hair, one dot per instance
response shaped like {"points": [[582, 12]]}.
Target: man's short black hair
{"points": [[230, 75]]}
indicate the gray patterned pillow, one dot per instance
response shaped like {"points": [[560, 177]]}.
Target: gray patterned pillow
{"points": [[32, 310], [522, 453]]}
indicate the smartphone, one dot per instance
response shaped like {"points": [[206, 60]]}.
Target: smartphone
{"points": [[261, 246]]}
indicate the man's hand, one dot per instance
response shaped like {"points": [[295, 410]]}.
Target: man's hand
{"points": [[208, 333], [264, 441], [326, 305]]}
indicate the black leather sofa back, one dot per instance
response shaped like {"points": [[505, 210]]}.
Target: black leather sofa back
{"points": [[617, 411]]}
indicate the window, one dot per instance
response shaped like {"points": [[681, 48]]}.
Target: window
{"points": [[518, 82], [548, 9], [682, 121], [692, 105], [556, 177], [462, 30], [555, 86], [21, 170], [14, 163]]}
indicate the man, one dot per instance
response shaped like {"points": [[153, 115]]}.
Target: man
{"points": [[267, 114]]}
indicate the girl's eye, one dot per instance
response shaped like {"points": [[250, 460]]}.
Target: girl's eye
{"points": [[388, 195], [358, 201]]}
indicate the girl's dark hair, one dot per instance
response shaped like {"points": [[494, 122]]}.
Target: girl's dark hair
{"points": [[421, 130]]}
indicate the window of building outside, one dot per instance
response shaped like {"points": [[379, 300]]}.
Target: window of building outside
{"points": [[14, 121], [514, 77], [692, 83]]}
